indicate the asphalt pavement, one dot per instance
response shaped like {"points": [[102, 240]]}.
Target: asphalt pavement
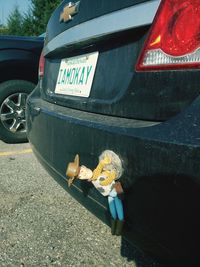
{"points": [[42, 225]]}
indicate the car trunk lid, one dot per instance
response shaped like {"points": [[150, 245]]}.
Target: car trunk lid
{"points": [[113, 33]]}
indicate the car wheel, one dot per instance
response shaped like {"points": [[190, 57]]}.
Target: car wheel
{"points": [[13, 95]]}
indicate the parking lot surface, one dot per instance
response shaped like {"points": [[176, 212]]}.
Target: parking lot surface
{"points": [[41, 225]]}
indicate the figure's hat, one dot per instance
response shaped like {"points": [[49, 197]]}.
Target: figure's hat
{"points": [[73, 169]]}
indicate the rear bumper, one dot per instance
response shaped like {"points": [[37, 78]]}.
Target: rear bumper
{"points": [[161, 166], [147, 148]]}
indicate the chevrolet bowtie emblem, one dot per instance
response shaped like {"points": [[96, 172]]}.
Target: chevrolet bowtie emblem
{"points": [[69, 10]]}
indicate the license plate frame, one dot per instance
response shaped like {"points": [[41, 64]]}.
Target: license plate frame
{"points": [[76, 75]]}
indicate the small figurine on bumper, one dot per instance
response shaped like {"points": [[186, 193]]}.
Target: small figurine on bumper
{"points": [[104, 179]]}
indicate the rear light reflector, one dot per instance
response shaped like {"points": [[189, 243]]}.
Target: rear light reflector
{"points": [[41, 66], [174, 38]]}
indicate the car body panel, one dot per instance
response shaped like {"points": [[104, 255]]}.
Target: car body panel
{"points": [[154, 190], [21, 42], [150, 119], [121, 92], [19, 57], [101, 26], [99, 9]]}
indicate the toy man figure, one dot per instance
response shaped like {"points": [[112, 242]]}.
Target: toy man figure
{"points": [[104, 179]]}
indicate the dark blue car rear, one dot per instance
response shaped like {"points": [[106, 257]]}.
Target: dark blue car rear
{"points": [[148, 113]]}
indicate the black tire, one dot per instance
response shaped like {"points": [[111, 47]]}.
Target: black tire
{"points": [[13, 95]]}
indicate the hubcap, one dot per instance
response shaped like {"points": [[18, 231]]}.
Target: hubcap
{"points": [[12, 113]]}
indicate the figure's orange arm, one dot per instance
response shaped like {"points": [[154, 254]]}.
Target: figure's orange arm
{"points": [[100, 166], [111, 175], [97, 171]]}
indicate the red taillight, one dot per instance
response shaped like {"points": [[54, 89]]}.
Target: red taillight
{"points": [[41, 66], [174, 39]]}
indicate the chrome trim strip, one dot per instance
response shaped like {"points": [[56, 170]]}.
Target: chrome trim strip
{"points": [[127, 18]]}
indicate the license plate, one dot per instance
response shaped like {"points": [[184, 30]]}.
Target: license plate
{"points": [[76, 75]]}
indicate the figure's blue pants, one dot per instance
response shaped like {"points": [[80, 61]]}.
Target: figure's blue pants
{"points": [[115, 206]]}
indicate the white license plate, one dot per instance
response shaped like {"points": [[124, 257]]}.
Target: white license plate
{"points": [[76, 75]]}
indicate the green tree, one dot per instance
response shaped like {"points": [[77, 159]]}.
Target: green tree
{"points": [[41, 11], [14, 22], [3, 30], [27, 24], [33, 22]]}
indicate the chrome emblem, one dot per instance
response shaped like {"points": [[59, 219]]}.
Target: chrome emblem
{"points": [[69, 10]]}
